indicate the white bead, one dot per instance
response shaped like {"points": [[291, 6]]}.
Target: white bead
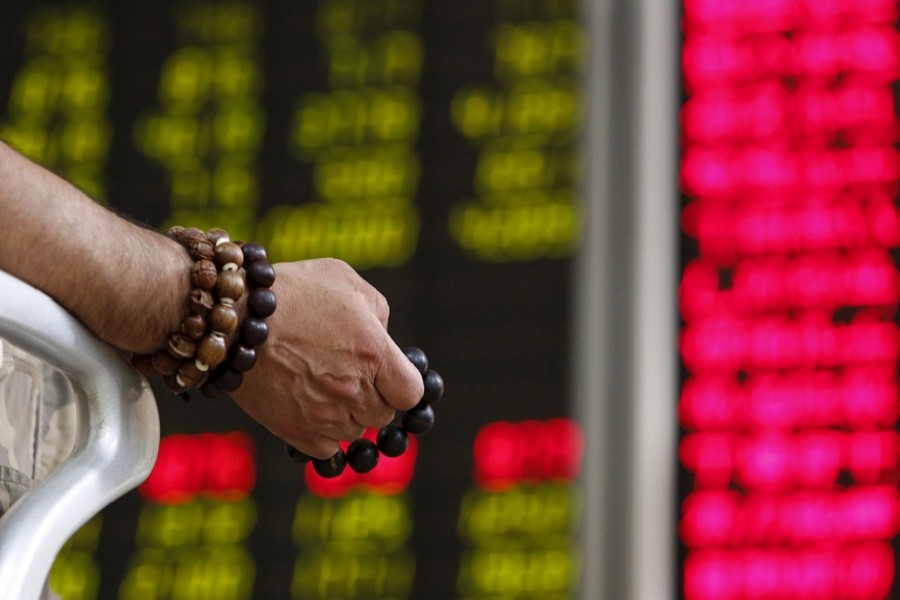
{"points": [[218, 335], [179, 380], [222, 240], [230, 267], [201, 366], [226, 301]]}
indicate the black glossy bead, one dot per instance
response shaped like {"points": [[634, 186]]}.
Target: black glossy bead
{"points": [[254, 331], [260, 274], [211, 389], [392, 440], [242, 357], [417, 357], [253, 252], [434, 387], [261, 302], [362, 455], [296, 455], [330, 467], [418, 419], [230, 380]]}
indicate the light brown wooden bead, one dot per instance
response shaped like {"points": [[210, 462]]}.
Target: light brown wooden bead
{"points": [[212, 350], [217, 233], [201, 249], [228, 252], [193, 326], [164, 363], [190, 375], [223, 319], [181, 346], [186, 235], [203, 274], [230, 284], [201, 302]]}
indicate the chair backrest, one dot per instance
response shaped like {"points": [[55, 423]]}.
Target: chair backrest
{"points": [[115, 448]]}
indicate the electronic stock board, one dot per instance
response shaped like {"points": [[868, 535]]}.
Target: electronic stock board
{"points": [[432, 147]]}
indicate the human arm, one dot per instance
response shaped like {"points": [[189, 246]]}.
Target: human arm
{"points": [[328, 369]]}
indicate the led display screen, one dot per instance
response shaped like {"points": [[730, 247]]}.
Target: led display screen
{"points": [[788, 299], [431, 146]]}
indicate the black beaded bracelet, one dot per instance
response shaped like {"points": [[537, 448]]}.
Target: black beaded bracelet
{"points": [[261, 304], [392, 440]]}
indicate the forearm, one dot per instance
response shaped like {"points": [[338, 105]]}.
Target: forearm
{"points": [[129, 285]]}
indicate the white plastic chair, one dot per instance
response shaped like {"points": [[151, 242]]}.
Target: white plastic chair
{"points": [[115, 448]]}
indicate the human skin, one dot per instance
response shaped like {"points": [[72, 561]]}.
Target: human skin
{"points": [[329, 368]]}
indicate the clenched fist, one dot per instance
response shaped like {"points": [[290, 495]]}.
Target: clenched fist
{"points": [[329, 368]]}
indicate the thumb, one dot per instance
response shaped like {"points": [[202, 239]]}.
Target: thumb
{"points": [[398, 380]]}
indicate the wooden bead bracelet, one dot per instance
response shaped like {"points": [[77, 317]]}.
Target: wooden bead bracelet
{"points": [[201, 345], [392, 440], [261, 304]]}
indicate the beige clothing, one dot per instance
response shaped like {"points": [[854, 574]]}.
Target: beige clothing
{"points": [[37, 425], [37, 422]]}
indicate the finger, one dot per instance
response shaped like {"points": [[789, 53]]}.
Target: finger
{"points": [[348, 430], [397, 380], [381, 308], [376, 413], [318, 446]]}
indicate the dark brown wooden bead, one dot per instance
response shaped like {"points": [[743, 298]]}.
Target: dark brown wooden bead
{"points": [[175, 231], [253, 252], [230, 285], [434, 387], [217, 233], [212, 350], [254, 331], [223, 319], [164, 363], [144, 364], [260, 274], [417, 357], [419, 418], [173, 386], [261, 302], [228, 252], [211, 389], [230, 380], [201, 249], [362, 455], [331, 467], [201, 301], [190, 375], [392, 440], [181, 346], [193, 326], [242, 358], [203, 274]]}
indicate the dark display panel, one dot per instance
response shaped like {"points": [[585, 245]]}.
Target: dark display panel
{"points": [[432, 146]]}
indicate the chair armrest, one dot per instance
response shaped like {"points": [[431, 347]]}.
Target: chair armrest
{"points": [[116, 441]]}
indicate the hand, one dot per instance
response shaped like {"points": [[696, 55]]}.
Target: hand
{"points": [[329, 368]]}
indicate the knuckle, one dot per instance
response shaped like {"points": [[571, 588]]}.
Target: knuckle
{"points": [[352, 431], [382, 308], [385, 418]]}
